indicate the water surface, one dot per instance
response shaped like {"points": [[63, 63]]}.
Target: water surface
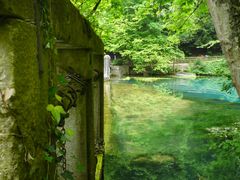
{"points": [[159, 129]]}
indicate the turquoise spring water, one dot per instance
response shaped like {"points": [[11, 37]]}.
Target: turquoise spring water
{"points": [[199, 88]]}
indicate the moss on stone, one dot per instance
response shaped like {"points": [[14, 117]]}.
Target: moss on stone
{"points": [[27, 113], [22, 9], [24, 125], [30, 116]]}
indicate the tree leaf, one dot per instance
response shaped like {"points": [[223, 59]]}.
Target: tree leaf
{"points": [[59, 98], [48, 158], [56, 112], [56, 115], [50, 107], [60, 109]]}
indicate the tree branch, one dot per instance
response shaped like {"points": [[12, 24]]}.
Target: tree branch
{"points": [[96, 6], [197, 6]]}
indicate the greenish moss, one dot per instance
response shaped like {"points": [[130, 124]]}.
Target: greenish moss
{"points": [[25, 126], [27, 112], [12, 8], [65, 26]]}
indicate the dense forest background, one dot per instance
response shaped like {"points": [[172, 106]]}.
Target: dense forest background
{"points": [[149, 34]]}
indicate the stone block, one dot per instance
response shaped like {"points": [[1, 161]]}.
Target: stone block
{"points": [[73, 28], [24, 120], [14, 8], [23, 134]]}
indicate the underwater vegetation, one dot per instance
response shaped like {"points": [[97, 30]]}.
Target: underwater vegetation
{"points": [[172, 130]]}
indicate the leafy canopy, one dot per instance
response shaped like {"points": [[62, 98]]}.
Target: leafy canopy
{"points": [[149, 34]]}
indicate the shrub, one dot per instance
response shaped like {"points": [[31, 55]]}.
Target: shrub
{"points": [[210, 68], [226, 145], [198, 68]]}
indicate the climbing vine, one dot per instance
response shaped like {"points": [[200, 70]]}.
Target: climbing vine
{"points": [[46, 26], [65, 94], [60, 100]]}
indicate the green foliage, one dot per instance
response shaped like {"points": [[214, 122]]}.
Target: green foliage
{"points": [[56, 112], [228, 86], [218, 68], [119, 61], [198, 68], [56, 153], [145, 44], [210, 68], [226, 145], [227, 139], [47, 29], [48, 157], [190, 21], [148, 33], [214, 68], [59, 98]]}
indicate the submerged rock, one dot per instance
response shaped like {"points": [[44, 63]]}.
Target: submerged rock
{"points": [[153, 159], [158, 166]]}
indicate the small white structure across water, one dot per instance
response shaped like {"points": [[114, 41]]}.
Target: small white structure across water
{"points": [[107, 63]]}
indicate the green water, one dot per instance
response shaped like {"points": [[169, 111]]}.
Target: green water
{"points": [[159, 129]]}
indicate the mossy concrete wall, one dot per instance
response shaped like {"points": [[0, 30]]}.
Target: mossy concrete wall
{"points": [[27, 70]]}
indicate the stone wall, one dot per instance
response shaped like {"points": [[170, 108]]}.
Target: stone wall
{"points": [[28, 70], [119, 71]]}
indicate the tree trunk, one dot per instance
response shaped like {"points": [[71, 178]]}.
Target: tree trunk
{"points": [[226, 19]]}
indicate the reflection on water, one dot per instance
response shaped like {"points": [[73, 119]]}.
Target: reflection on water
{"points": [[158, 129]]}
